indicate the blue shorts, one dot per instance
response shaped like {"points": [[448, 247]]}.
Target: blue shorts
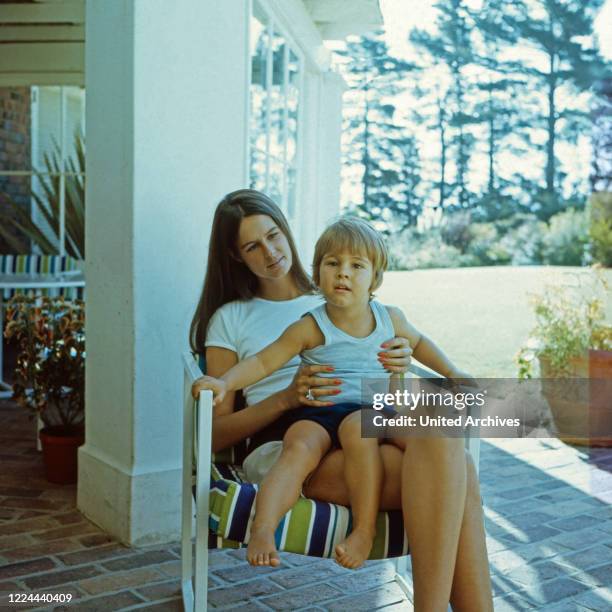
{"points": [[329, 417]]}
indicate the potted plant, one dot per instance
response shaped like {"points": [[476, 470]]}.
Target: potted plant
{"points": [[49, 378], [571, 340]]}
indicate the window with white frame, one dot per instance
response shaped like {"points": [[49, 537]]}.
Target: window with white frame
{"points": [[276, 75], [58, 130], [45, 176]]}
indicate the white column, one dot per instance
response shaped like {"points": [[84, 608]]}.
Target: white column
{"points": [[320, 197], [329, 154], [166, 113]]}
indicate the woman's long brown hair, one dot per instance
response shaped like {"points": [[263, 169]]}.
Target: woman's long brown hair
{"points": [[227, 278]]}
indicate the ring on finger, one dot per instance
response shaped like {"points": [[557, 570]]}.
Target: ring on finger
{"points": [[309, 395]]}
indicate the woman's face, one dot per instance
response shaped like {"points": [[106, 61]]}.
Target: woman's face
{"points": [[263, 247]]}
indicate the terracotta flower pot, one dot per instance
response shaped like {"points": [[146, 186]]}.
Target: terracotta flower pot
{"points": [[600, 364], [580, 402], [600, 375], [59, 449]]}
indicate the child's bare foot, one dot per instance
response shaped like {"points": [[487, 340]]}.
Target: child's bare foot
{"points": [[262, 548], [352, 552]]}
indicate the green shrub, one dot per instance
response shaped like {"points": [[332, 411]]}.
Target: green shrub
{"points": [[566, 238], [601, 228], [524, 239], [485, 248], [410, 250], [456, 230]]}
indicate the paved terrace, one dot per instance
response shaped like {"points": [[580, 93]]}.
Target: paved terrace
{"points": [[549, 525]]}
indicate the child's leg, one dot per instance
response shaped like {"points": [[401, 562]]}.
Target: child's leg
{"points": [[363, 473], [304, 445]]}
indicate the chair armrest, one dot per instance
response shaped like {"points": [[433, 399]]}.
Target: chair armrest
{"points": [[197, 436]]}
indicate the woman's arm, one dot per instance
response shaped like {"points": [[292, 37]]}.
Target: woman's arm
{"points": [[299, 336], [292, 341], [231, 427]]}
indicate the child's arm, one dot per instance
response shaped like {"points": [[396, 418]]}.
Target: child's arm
{"points": [[423, 349], [291, 343], [296, 338]]}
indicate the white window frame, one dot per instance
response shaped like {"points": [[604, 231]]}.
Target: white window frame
{"points": [[276, 23]]}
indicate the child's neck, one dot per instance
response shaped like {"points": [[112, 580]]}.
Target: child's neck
{"points": [[357, 321]]}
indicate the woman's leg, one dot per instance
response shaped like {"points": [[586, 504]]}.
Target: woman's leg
{"points": [[471, 590], [304, 445], [433, 502], [363, 474]]}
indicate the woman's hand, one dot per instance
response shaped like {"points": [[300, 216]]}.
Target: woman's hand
{"points": [[306, 381], [396, 355], [216, 385]]}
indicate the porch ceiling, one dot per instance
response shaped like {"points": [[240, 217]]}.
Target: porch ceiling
{"points": [[42, 42], [336, 19]]}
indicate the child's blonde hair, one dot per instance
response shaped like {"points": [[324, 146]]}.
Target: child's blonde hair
{"points": [[352, 235]]}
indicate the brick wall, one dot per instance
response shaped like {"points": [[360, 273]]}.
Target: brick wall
{"points": [[15, 149]]}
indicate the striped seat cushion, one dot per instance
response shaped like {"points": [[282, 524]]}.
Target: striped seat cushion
{"points": [[309, 528], [40, 264]]}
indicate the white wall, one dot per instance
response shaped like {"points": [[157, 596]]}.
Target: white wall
{"points": [[320, 198], [166, 140]]}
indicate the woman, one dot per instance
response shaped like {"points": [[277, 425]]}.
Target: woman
{"points": [[255, 286]]}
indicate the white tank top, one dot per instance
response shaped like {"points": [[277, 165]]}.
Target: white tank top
{"points": [[353, 358]]}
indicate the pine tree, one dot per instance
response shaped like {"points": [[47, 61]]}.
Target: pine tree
{"points": [[408, 205], [560, 62], [499, 113], [601, 173], [451, 48], [373, 139]]}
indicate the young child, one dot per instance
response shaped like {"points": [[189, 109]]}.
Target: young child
{"points": [[349, 261]]}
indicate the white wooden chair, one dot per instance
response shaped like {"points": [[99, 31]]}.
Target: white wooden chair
{"points": [[197, 461]]}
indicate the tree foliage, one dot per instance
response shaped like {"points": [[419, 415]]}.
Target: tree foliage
{"points": [[490, 88], [385, 152]]}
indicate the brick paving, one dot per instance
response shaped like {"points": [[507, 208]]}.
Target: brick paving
{"points": [[547, 507]]}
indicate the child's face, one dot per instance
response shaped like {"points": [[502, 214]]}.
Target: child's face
{"points": [[345, 279]]}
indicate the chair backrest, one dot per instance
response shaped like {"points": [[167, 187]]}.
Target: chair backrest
{"points": [[41, 264]]}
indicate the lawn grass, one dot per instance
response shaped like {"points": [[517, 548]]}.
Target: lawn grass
{"points": [[479, 316]]}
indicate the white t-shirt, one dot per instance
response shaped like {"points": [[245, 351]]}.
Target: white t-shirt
{"points": [[248, 326]]}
